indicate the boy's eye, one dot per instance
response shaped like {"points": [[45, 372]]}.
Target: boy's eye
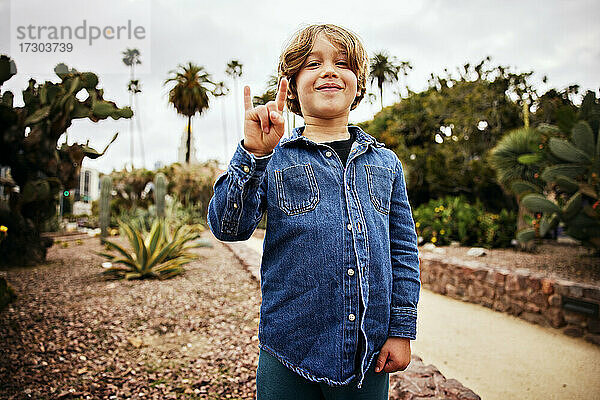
{"points": [[312, 64], [344, 63]]}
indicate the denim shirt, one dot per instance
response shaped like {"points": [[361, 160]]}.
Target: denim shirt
{"points": [[336, 235]]}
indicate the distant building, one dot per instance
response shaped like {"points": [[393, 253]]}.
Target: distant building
{"points": [[181, 150], [87, 190], [6, 183]]}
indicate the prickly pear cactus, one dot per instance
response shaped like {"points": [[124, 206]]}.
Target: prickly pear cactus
{"points": [[160, 190], [28, 145], [105, 189], [577, 178]]}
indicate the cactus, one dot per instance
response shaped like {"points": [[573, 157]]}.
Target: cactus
{"points": [[577, 176], [160, 190], [28, 145], [105, 195]]}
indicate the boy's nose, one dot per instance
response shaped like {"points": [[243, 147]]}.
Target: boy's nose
{"points": [[328, 70]]}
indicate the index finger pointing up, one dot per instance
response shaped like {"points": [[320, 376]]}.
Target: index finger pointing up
{"points": [[281, 94], [247, 99]]}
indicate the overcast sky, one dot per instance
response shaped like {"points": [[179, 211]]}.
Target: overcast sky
{"points": [[559, 39]]}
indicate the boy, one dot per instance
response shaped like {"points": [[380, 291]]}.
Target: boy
{"points": [[340, 271]]}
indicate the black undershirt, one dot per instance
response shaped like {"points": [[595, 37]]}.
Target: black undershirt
{"points": [[342, 147]]}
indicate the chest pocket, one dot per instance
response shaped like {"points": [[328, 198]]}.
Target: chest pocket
{"points": [[297, 189], [380, 181]]}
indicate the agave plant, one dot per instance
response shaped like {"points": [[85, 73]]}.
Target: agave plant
{"points": [[154, 254]]}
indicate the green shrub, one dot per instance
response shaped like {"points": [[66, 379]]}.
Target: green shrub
{"points": [[453, 219]]}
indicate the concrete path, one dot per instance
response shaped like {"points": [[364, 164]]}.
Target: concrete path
{"points": [[497, 355]]}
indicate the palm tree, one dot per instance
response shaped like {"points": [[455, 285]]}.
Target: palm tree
{"points": [[190, 94], [383, 69], [234, 69], [131, 57], [514, 158], [404, 67], [134, 87], [219, 91], [269, 94]]}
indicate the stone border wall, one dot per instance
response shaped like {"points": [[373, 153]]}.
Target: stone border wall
{"points": [[522, 293]]}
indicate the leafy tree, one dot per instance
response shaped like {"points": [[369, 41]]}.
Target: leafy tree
{"points": [[190, 94], [443, 134]]}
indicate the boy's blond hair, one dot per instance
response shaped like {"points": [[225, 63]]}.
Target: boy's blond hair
{"points": [[296, 52]]}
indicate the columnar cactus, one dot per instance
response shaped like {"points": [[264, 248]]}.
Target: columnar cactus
{"points": [[160, 190], [105, 194]]}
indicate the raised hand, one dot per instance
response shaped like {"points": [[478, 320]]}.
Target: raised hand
{"points": [[264, 125]]}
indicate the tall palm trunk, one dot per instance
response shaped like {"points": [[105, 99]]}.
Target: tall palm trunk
{"points": [[522, 224], [139, 129], [188, 144], [237, 109], [224, 121], [131, 122]]}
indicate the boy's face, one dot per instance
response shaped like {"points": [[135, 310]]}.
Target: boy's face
{"points": [[326, 85]]}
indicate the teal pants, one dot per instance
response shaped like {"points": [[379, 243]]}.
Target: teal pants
{"points": [[274, 381]]}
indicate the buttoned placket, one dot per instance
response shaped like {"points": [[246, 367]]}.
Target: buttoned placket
{"points": [[356, 237], [359, 241]]}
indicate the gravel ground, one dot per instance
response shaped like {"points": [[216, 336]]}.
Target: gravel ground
{"points": [[73, 334]]}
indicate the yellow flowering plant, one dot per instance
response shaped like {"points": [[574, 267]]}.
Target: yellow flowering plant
{"points": [[3, 232], [442, 221]]}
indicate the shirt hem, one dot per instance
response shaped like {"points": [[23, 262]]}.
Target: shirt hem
{"points": [[304, 373]]}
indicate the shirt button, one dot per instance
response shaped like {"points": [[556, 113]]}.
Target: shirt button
{"points": [[246, 168], [234, 205], [328, 153], [350, 271], [349, 226], [351, 317]]}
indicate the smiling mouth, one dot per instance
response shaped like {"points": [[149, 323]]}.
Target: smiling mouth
{"points": [[329, 88]]}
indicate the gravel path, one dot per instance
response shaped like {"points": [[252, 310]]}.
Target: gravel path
{"points": [[71, 334]]}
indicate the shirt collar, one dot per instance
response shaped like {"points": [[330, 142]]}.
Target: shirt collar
{"points": [[361, 137]]}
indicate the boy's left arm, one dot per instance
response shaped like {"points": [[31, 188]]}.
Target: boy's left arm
{"points": [[395, 353]]}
